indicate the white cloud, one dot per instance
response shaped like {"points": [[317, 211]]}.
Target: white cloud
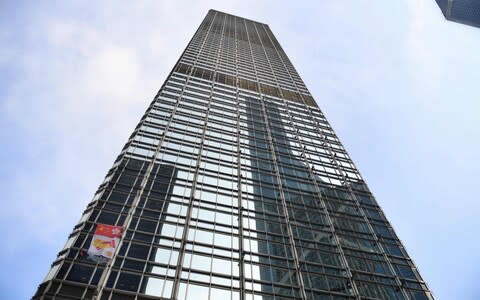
{"points": [[75, 102], [113, 73]]}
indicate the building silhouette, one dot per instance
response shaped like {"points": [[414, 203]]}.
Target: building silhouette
{"points": [[234, 186], [461, 11]]}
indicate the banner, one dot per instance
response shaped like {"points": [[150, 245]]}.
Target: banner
{"points": [[104, 242]]}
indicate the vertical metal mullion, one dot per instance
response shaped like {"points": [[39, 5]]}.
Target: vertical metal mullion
{"points": [[369, 225], [277, 173], [324, 207], [181, 254], [358, 206], [220, 49], [241, 263], [187, 226], [289, 227], [312, 176], [101, 283], [448, 11], [284, 204], [322, 204], [108, 269], [284, 65]]}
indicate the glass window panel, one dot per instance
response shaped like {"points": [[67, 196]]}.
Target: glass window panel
{"points": [[226, 241], [133, 264], [52, 272], [176, 209], [220, 294], [153, 286], [207, 215], [201, 236], [171, 230], [224, 218], [165, 256], [221, 266], [404, 271], [200, 262], [80, 273], [196, 292], [128, 282], [156, 270], [138, 251]]}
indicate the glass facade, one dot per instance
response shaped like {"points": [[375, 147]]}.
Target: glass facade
{"points": [[461, 11], [234, 186]]}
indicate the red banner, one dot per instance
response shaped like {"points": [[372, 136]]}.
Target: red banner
{"points": [[105, 241]]}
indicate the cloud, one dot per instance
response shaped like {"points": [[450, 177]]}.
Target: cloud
{"points": [[80, 89], [424, 16]]}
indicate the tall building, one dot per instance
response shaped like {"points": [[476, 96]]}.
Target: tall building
{"points": [[461, 11], [234, 186]]}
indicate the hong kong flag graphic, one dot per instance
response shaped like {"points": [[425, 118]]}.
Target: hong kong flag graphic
{"points": [[104, 242]]}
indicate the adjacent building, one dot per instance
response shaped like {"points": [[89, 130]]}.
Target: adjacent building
{"points": [[234, 186], [461, 11]]}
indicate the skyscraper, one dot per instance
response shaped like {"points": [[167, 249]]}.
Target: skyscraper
{"points": [[234, 186], [461, 11]]}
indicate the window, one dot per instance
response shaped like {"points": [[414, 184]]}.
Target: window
{"points": [[157, 287], [128, 282]]}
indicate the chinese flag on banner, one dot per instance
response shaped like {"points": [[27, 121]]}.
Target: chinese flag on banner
{"points": [[104, 242]]}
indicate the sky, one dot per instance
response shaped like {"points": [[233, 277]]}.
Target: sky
{"points": [[398, 83]]}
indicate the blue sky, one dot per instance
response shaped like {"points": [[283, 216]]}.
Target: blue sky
{"points": [[398, 83]]}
